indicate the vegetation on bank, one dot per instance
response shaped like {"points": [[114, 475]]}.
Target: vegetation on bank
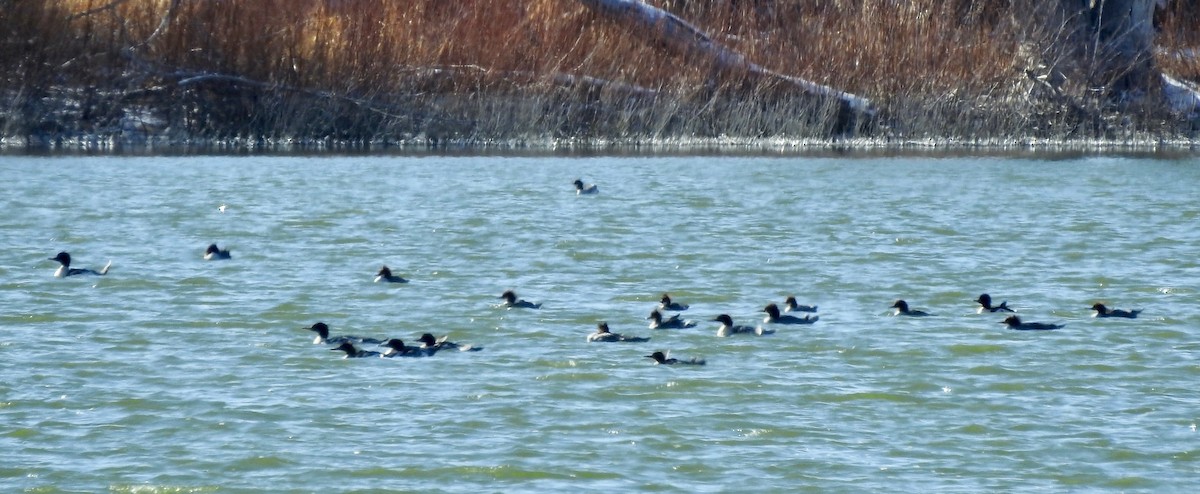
{"points": [[477, 71]]}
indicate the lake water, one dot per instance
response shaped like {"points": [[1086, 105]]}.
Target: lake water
{"points": [[172, 374]]}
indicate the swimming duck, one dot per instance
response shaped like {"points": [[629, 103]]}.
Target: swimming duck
{"points": [[985, 304], [429, 342], [903, 310], [602, 334], [1014, 322], [727, 328], [657, 321], [385, 275], [323, 337], [790, 305], [581, 189], [1102, 311], [773, 317], [396, 348], [352, 352], [511, 301], [662, 359], [214, 253], [65, 269], [666, 304]]}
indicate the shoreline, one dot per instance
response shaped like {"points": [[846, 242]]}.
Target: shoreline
{"points": [[499, 76], [730, 146], [573, 146]]}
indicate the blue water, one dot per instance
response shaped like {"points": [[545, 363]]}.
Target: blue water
{"points": [[172, 374]]}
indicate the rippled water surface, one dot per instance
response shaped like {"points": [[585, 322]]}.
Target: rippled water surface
{"points": [[174, 374]]}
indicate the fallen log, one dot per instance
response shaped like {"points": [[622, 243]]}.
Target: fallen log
{"points": [[669, 32]]}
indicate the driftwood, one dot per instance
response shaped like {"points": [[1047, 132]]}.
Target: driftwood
{"points": [[1181, 98], [682, 39]]}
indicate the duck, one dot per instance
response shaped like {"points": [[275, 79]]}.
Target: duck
{"points": [[385, 275], [662, 359], [790, 305], [985, 304], [65, 269], [903, 310], [657, 321], [773, 317], [214, 253], [429, 342], [1103, 311], [323, 337], [581, 189], [396, 348], [353, 352], [1014, 322], [666, 304], [727, 328], [511, 301], [602, 334]]}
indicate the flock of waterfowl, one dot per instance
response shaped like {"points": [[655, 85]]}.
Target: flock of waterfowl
{"points": [[1014, 321], [429, 345], [658, 321], [395, 347]]}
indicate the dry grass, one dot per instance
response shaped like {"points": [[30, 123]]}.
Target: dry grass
{"points": [[485, 69], [1179, 29]]}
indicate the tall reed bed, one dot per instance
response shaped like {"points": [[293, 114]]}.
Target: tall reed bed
{"points": [[495, 69]]}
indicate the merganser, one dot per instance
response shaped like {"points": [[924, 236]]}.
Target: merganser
{"points": [[580, 189], [214, 253], [602, 334], [1102, 311], [385, 275], [430, 343], [903, 310], [790, 305], [985, 304], [657, 321], [773, 317], [396, 348], [666, 304], [323, 337], [661, 359], [727, 328], [352, 352], [1014, 322], [66, 269], [511, 301]]}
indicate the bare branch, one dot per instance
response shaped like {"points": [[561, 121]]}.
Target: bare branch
{"points": [[162, 25], [97, 10]]}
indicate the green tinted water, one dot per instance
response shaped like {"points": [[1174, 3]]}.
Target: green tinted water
{"points": [[173, 374]]}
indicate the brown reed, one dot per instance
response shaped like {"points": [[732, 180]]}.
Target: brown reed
{"points": [[493, 69]]}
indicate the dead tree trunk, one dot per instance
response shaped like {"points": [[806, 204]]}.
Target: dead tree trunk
{"points": [[1121, 48], [1121, 44], [1097, 56]]}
